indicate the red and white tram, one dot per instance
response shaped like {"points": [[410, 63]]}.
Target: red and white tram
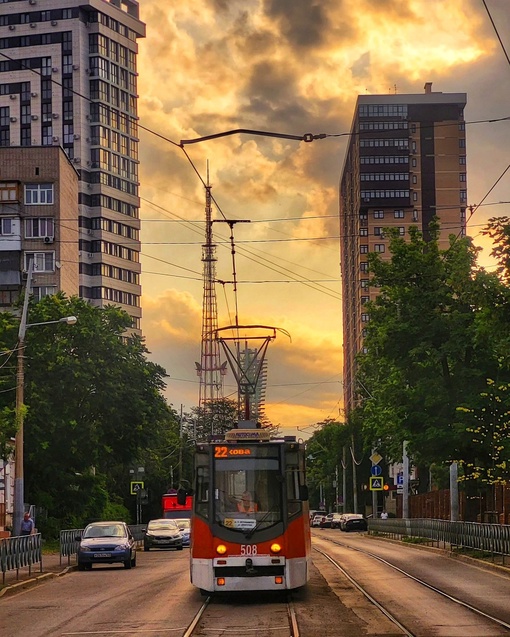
{"points": [[250, 526]]}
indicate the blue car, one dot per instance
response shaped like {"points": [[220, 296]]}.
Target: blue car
{"points": [[185, 528], [106, 543]]}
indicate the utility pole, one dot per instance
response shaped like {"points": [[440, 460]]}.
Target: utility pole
{"points": [[454, 492], [180, 447], [19, 483], [405, 482]]}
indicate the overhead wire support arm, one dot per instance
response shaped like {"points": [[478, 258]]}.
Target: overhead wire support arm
{"points": [[307, 137]]}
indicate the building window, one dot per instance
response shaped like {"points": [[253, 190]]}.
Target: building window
{"points": [[378, 214], [365, 299], [41, 291], [462, 143], [415, 215], [365, 318], [462, 160], [379, 247], [43, 261], [364, 284], [8, 191], [6, 227], [47, 136], [38, 194], [378, 232], [363, 232], [462, 176], [414, 162], [4, 116], [26, 139], [398, 214], [415, 196], [363, 266], [38, 227], [363, 249], [401, 231], [463, 196]]}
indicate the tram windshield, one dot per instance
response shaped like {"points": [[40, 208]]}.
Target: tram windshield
{"points": [[248, 491]]}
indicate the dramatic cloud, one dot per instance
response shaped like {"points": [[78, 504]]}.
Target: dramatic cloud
{"points": [[290, 67]]}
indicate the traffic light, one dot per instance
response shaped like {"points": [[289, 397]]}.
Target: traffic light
{"points": [[386, 487]]}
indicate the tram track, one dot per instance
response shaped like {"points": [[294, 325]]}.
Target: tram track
{"points": [[230, 622], [384, 607]]}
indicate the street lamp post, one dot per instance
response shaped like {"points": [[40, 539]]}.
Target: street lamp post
{"points": [[19, 487]]}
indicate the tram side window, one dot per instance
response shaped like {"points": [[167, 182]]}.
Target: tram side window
{"points": [[293, 501], [202, 492]]}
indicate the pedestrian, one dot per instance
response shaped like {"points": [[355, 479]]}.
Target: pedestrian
{"points": [[27, 525], [384, 515]]}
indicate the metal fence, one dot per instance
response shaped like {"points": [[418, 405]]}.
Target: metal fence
{"points": [[491, 540], [19, 552]]}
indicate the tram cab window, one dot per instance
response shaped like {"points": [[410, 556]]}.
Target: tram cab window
{"points": [[261, 477], [202, 492], [294, 479]]}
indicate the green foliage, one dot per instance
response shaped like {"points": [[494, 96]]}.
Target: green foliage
{"points": [[438, 329], [93, 407]]}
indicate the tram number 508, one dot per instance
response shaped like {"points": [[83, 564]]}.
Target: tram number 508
{"points": [[248, 549]]}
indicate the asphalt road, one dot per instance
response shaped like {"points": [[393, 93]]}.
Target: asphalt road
{"points": [[156, 598]]}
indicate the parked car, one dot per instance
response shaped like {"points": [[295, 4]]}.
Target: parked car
{"points": [[335, 520], [184, 525], [106, 543], [318, 517], [162, 533], [353, 522], [326, 521]]}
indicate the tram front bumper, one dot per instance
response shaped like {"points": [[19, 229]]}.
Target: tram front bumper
{"points": [[240, 573]]}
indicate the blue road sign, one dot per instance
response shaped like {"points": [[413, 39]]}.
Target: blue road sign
{"points": [[375, 470]]}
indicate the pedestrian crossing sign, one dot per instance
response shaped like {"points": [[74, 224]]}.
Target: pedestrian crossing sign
{"points": [[376, 483], [136, 487]]}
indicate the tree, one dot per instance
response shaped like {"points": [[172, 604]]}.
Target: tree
{"points": [[94, 406], [428, 346]]}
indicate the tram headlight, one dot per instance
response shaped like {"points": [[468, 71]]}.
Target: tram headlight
{"points": [[221, 549], [275, 548]]}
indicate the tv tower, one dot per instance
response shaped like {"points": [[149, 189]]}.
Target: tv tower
{"points": [[210, 369]]}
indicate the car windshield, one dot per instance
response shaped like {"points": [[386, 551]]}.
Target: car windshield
{"points": [[162, 525], [183, 524], [113, 530]]}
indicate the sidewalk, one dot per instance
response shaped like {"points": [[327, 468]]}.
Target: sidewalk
{"points": [[25, 577]]}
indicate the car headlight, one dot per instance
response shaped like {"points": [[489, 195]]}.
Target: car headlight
{"points": [[121, 547], [85, 548]]}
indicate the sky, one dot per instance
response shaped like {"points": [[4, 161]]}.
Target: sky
{"points": [[290, 67]]}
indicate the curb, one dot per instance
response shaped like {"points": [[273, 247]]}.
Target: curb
{"points": [[34, 581]]}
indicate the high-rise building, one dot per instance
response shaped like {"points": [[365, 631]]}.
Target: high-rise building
{"points": [[405, 164], [68, 78]]}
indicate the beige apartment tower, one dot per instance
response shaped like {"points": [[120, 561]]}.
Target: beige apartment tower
{"points": [[38, 222], [68, 79], [405, 164]]}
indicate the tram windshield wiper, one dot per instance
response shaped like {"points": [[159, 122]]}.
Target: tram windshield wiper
{"points": [[250, 533]]}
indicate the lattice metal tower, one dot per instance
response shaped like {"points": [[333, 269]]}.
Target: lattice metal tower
{"points": [[210, 369]]}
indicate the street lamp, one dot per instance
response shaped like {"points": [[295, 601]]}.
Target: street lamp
{"points": [[19, 487]]}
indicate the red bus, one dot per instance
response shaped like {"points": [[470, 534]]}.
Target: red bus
{"points": [[171, 507]]}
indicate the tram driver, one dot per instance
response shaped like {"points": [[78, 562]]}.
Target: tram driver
{"points": [[247, 504]]}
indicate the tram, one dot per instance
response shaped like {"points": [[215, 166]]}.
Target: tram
{"points": [[250, 528]]}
